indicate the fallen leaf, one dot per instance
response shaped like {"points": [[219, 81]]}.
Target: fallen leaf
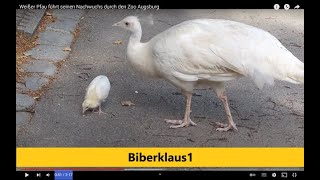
{"points": [[67, 49], [26, 55], [118, 42], [36, 43], [20, 57], [127, 103], [48, 14], [36, 98]]}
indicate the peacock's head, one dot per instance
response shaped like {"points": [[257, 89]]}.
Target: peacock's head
{"points": [[130, 23]]}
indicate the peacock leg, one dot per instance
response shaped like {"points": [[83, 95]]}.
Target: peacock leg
{"points": [[186, 120], [221, 93]]}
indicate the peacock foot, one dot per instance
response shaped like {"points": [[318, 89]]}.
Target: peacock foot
{"points": [[180, 123]]}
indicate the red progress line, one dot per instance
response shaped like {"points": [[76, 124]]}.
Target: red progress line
{"points": [[71, 168]]}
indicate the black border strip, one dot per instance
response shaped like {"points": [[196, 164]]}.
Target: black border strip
{"points": [[208, 4]]}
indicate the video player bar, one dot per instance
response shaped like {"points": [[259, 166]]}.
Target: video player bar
{"points": [[81, 175]]}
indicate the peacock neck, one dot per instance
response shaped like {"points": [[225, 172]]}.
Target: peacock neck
{"points": [[139, 55], [134, 45], [135, 37]]}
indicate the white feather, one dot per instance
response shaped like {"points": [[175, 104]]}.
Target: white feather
{"points": [[212, 50]]}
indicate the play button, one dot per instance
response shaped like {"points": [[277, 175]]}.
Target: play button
{"points": [[26, 174]]}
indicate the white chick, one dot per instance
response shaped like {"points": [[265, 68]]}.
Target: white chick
{"points": [[97, 92]]}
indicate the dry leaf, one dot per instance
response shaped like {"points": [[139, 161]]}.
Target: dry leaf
{"points": [[26, 55], [20, 57], [67, 49], [36, 98], [48, 14], [127, 103], [118, 42], [36, 43]]}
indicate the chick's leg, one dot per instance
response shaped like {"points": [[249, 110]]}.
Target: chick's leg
{"points": [[221, 93], [100, 111], [186, 120]]}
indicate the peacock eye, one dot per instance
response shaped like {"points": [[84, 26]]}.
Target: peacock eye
{"points": [[127, 23]]}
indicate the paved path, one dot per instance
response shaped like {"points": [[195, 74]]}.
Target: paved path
{"points": [[53, 43], [27, 20], [269, 117]]}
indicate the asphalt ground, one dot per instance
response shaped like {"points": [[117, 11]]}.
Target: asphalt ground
{"points": [[273, 116]]}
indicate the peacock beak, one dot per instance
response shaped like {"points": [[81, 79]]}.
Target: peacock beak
{"points": [[116, 24]]}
